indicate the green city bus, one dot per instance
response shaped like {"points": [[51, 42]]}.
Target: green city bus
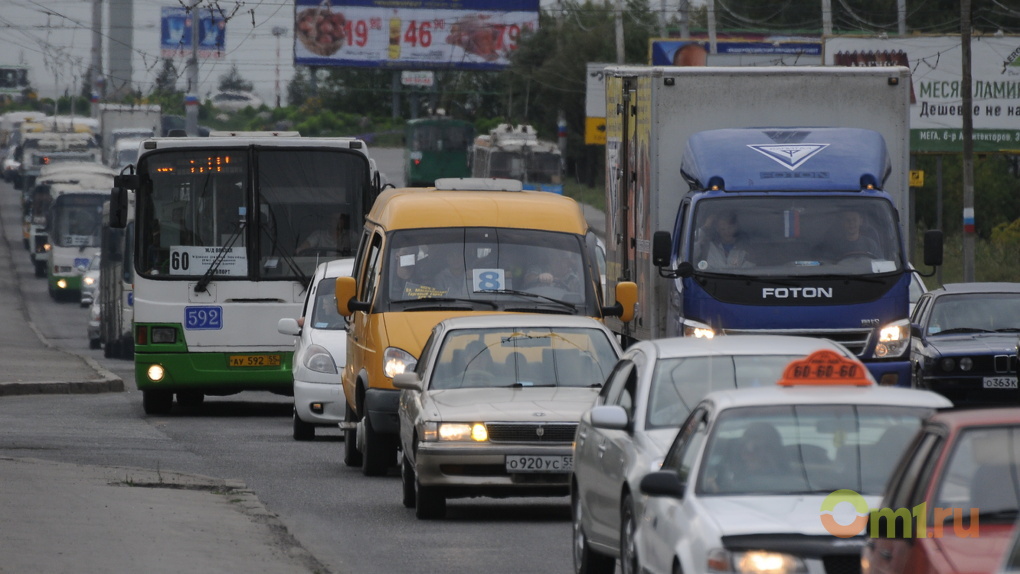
{"points": [[436, 147]]}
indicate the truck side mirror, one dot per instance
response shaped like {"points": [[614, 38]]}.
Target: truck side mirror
{"points": [[662, 246], [933, 240], [118, 208]]}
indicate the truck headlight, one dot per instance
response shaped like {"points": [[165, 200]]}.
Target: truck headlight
{"points": [[754, 562], [396, 361], [697, 330], [319, 360], [893, 339]]}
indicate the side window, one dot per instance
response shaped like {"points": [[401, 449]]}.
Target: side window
{"points": [[615, 382], [679, 241], [907, 484], [683, 453], [628, 395], [920, 309], [370, 272]]}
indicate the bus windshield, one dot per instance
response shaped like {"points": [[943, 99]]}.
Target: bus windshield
{"points": [[498, 269], [76, 220], [200, 209], [795, 236]]}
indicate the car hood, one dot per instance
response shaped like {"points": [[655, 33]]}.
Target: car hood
{"points": [[982, 552], [976, 343], [752, 514], [550, 404], [333, 341]]}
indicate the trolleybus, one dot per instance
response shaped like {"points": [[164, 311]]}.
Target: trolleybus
{"points": [[436, 147]]}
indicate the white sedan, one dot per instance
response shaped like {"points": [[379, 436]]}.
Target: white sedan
{"points": [[320, 352], [492, 406], [757, 479], [648, 395]]}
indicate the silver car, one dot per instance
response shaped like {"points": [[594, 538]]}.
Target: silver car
{"points": [[492, 407], [635, 418]]}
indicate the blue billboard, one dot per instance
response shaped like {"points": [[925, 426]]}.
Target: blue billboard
{"points": [[176, 30]]}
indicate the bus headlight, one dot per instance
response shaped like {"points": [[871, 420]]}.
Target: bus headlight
{"points": [[155, 373], [893, 339], [164, 335], [396, 361]]}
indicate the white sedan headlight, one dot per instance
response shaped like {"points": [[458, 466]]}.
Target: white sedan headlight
{"points": [[455, 432], [318, 359], [754, 562], [893, 339]]}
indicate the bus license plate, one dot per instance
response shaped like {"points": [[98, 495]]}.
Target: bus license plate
{"points": [[254, 360], [527, 463], [1000, 382]]}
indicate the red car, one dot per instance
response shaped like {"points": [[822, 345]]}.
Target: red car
{"points": [[952, 502]]}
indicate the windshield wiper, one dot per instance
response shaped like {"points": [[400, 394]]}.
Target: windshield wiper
{"points": [[294, 268], [443, 300], [962, 330], [531, 295], [1008, 330], [203, 283]]}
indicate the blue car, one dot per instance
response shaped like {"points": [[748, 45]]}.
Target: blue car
{"points": [[964, 343]]}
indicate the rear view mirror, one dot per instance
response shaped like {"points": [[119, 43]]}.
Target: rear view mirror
{"points": [[118, 208]]}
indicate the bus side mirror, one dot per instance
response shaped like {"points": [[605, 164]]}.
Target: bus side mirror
{"points": [[118, 208]]}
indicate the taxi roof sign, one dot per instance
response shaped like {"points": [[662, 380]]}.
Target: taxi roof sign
{"points": [[825, 367]]}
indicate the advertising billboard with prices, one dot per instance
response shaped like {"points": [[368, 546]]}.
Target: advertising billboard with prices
{"points": [[454, 34], [175, 33]]}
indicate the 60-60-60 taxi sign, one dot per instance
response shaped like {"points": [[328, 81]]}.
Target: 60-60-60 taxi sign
{"points": [[825, 367]]}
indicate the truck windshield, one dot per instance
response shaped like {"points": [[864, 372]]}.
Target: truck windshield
{"points": [[795, 236], [487, 268]]}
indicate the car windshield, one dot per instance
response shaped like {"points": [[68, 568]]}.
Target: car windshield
{"points": [[975, 313], [324, 313], [806, 449], [795, 236], [678, 384], [523, 357], [981, 473]]}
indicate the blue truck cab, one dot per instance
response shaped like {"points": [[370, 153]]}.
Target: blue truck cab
{"points": [[789, 231]]}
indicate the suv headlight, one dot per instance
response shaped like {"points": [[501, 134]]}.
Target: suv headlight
{"points": [[893, 339], [396, 361], [318, 359]]}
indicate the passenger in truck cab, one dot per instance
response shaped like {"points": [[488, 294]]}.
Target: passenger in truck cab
{"points": [[721, 243]]}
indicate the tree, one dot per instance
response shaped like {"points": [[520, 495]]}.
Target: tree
{"points": [[233, 82], [166, 80]]}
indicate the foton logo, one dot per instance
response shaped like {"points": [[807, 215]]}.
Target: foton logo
{"points": [[796, 292]]}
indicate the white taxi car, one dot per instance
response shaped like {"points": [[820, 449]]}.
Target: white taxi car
{"points": [[320, 352], [492, 406], [750, 482], [647, 397]]}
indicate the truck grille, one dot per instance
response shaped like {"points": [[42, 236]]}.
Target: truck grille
{"points": [[531, 432], [855, 340]]}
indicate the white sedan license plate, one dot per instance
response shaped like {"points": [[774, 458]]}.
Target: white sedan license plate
{"points": [[529, 463], [1000, 382]]}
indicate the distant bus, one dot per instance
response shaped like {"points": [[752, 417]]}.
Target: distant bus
{"points": [[436, 147], [73, 227], [515, 152], [116, 285], [219, 256]]}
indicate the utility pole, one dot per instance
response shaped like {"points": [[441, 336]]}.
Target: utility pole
{"points": [[968, 143], [826, 17], [97, 53], [278, 31], [191, 97], [620, 59]]}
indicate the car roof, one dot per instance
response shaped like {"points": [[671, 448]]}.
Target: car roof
{"points": [[504, 320], [977, 417], [980, 287], [335, 268], [739, 345], [826, 395]]}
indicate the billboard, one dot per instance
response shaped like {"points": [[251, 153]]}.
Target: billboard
{"points": [[175, 33], [438, 34], [743, 50], [936, 102]]}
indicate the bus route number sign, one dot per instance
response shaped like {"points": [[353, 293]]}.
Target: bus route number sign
{"points": [[204, 317]]}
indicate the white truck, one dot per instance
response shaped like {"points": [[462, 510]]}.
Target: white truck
{"points": [[122, 120], [784, 152]]}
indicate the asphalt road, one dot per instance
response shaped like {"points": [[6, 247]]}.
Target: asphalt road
{"points": [[348, 522]]}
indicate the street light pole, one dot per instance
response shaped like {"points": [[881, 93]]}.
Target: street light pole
{"points": [[278, 31]]}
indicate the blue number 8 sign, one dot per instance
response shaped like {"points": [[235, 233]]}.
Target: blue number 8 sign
{"points": [[488, 280]]}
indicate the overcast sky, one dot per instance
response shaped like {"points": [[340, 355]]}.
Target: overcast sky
{"points": [[54, 38]]}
